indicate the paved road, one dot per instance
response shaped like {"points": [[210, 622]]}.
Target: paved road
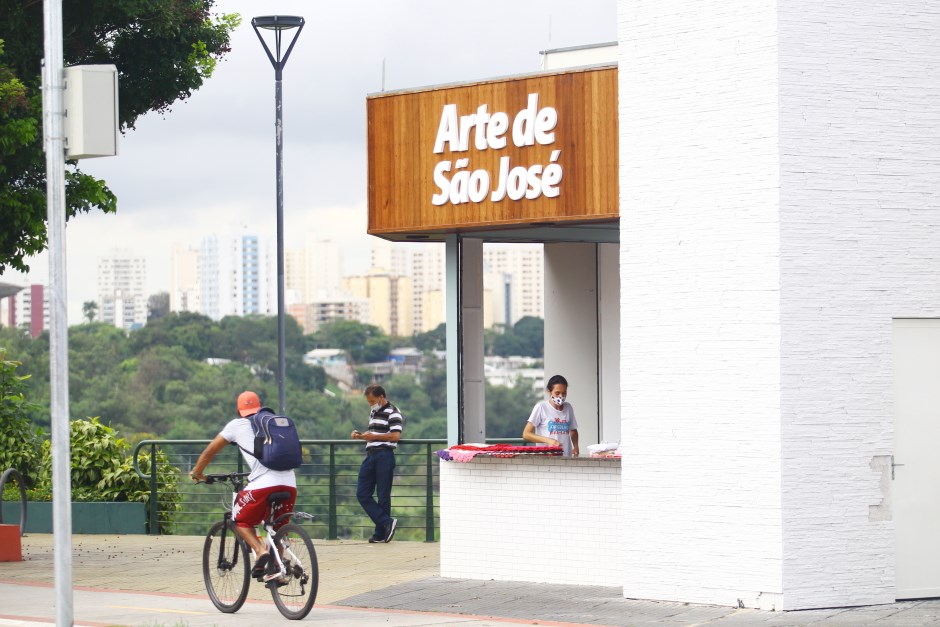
{"points": [[157, 582], [32, 605]]}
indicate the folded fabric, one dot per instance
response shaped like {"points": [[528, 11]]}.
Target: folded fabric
{"points": [[603, 446], [466, 452]]}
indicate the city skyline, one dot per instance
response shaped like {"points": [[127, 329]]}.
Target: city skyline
{"points": [[210, 161], [410, 275]]}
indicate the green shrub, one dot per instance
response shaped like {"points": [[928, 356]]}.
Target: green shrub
{"points": [[102, 470], [19, 440]]}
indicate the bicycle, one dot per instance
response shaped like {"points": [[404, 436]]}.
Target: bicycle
{"points": [[225, 565]]}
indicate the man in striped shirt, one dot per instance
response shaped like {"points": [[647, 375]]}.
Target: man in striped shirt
{"points": [[375, 474]]}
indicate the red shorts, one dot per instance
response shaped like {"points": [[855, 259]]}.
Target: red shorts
{"points": [[252, 505]]}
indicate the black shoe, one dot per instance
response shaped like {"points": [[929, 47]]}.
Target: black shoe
{"points": [[374, 540], [391, 530], [261, 565]]}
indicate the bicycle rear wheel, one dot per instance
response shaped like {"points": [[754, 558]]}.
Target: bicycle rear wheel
{"points": [[225, 567], [295, 594]]}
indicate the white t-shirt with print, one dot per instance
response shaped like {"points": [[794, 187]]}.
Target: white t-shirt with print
{"points": [[554, 423], [239, 430]]}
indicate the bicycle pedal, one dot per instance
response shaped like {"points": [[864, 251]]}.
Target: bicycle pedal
{"points": [[275, 576], [278, 582]]}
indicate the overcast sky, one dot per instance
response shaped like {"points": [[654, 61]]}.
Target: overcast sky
{"points": [[209, 163]]}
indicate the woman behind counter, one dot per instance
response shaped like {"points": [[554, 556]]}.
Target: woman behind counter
{"points": [[552, 421]]}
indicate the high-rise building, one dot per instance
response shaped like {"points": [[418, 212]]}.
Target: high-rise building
{"points": [[8, 292], [311, 316], [513, 284], [121, 299], [389, 299], [313, 273], [323, 267], [251, 279], [33, 306], [497, 299], [428, 273], [433, 309], [522, 264], [236, 276], [18, 307], [184, 279], [392, 258], [295, 276]]}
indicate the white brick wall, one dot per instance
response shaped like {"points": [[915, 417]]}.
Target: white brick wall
{"points": [[860, 242], [780, 185], [700, 299], [547, 520]]}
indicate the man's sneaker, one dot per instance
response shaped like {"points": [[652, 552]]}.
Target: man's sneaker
{"points": [[273, 573], [391, 529], [261, 564], [375, 539]]}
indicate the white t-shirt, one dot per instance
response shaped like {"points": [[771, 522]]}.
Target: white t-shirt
{"points": [[239, 430], [554, 423]]}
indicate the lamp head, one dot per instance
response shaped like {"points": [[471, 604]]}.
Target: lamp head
{"points": [[277, 22]]}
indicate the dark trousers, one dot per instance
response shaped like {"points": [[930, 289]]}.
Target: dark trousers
{"points": [[375, 476]]}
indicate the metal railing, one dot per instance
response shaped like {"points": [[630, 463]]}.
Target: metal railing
{"points": [[326, 487]]}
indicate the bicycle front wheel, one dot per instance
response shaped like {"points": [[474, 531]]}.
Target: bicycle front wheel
{"points": [[225, 567], [295, 593]]}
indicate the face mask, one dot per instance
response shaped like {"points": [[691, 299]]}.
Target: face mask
{"points": [[559, 400], [376, 407]]}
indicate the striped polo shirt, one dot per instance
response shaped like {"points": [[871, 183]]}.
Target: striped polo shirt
{"points": [[385, 419]]}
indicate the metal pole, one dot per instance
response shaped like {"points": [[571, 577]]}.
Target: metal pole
{"points": [[154, 497], [279, 24], [331, 510], [429, 498], [279, 132], [53, 127]]}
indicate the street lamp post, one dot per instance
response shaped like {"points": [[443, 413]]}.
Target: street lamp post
{"points": [[279, 24]]}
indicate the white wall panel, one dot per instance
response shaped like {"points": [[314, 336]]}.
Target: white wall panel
{"points": [[571, 330], [547, 520], [700, 302], [780, 203]]}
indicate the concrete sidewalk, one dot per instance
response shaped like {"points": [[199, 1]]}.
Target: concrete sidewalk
{"points": [[363, 584], [173, 564]]}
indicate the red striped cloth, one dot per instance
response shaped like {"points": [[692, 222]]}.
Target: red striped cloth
{"points": [[466, 452]]}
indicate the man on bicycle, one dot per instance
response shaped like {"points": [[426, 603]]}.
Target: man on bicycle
{"points": [[252, 502]]}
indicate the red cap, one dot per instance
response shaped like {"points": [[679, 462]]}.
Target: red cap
{"points": [[248, 403]]}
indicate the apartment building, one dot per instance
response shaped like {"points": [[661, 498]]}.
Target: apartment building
{"points": [[236, 276], [122, 301]]}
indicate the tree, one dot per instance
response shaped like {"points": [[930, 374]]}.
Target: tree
{"points": [[164, 51], [351, 336], [158, 306], [531, 332], [197, 334], [432, 340], [507, 408], [21, 442], [526, 338], [90, 310], [376, 349]]}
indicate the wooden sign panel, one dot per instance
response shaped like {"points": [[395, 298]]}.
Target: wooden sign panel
{"points": [[508, 152]]}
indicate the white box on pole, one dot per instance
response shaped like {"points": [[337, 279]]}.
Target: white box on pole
{"points": [[91, 111]]}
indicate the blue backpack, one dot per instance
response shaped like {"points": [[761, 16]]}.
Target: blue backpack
{"points": [[277, 445]]}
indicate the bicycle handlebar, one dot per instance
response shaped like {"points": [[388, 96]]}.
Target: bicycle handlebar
{"points": [[231, 477]]}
